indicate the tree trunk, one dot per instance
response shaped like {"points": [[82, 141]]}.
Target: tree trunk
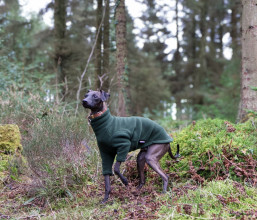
{"points": [[234, 33], [106, 43], [59, 41], [121, 54], [248, 99], [177, 65], [200, 72], [98, 50]]}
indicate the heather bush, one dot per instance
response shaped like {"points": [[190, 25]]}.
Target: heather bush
{"points": [[61, 154], [59, 147]]}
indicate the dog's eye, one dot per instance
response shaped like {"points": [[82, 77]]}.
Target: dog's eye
{"points": [[95, 96]]}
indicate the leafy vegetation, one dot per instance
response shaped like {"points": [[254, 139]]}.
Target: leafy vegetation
{"points": [[63, 178], [215, 178], [215, 149]]}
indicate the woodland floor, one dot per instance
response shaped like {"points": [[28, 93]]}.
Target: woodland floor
{"points": [[185, 201]]}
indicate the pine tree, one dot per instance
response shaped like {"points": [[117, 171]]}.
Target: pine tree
{"points": [[121, 54], [59, 43], [106, 47], [98, 49]]}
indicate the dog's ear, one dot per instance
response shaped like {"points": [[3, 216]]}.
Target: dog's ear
{"points": [[90, 90], [104, 95]]}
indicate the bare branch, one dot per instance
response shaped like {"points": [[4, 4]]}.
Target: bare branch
{"points": [[102, 79], [88, 60]]}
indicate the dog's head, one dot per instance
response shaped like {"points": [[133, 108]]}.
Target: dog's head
{"points": [[94, 99]]}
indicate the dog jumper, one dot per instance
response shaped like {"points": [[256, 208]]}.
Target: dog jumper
{"points": [[120, 135]]}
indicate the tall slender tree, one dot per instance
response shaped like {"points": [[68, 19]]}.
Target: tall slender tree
{"points": [[106, 47], [248, 99], [121, 54], [59, 41], [178, 80], [98, 50], [234, 27]]}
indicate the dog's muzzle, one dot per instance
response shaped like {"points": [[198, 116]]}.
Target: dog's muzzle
{"points": [[85, 103]]}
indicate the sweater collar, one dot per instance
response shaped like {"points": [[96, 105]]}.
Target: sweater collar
{"points": [[92, 116], [101, 120]]}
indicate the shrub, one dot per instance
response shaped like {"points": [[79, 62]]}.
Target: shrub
{"points": [[216, 149], [59, 155], [59, 148]]}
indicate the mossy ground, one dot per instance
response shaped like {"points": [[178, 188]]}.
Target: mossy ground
{"points": [[216, 200], [210, 180], [10, 147], [216, 149]]}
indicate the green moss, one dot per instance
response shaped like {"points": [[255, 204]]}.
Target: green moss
{"points": [[216, 198], [10, 139], [10, 146], [215, 149]]}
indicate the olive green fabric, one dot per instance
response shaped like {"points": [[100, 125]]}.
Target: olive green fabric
{"points": [[120, 135]]}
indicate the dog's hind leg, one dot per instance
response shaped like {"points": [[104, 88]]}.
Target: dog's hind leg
{"points": [[154, 154], [140, 167]]}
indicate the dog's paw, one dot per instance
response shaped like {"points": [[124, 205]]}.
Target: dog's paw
{"points": [[140, 186], [103, 201], [125, 183]]}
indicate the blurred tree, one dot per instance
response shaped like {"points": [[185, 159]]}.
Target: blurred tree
{"points": [[98, 49], [80, 35], [177, 80], [248, 99], [102, 46], [155, 31], [106, 47], [235, 15], [60, 45], [22, 54], [207, 71], [146, 87], [121, 54], [202, 81]]}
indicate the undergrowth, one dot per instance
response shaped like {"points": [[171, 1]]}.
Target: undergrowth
{"points": [[216, 149], [59, 147], [216, 200], [215, 178], [60, 157]]}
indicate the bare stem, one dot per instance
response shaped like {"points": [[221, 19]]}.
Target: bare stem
{"points": [[88, 61]]}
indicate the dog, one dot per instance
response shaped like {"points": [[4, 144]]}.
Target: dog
{"points": [[116, 136]]}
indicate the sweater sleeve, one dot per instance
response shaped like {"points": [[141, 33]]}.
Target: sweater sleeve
{"points": [[107, 162], [121, 141]]}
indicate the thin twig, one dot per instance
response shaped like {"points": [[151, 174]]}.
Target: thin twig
{"points": [[102, 79], [88, 61]]}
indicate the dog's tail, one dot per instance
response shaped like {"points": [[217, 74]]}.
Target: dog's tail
{"points": [[177, 155]]}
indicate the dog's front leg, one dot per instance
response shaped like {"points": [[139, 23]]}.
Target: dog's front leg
{"points": [[117, 172], [107, 188]]}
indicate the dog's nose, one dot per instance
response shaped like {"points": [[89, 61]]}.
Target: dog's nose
{"points": [[85, 103]]}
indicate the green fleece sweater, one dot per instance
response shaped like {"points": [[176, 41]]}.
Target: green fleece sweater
{"points": [[120, 135]]}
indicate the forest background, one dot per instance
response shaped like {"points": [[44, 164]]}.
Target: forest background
{"points": [[179, 62], [174, 63]]}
